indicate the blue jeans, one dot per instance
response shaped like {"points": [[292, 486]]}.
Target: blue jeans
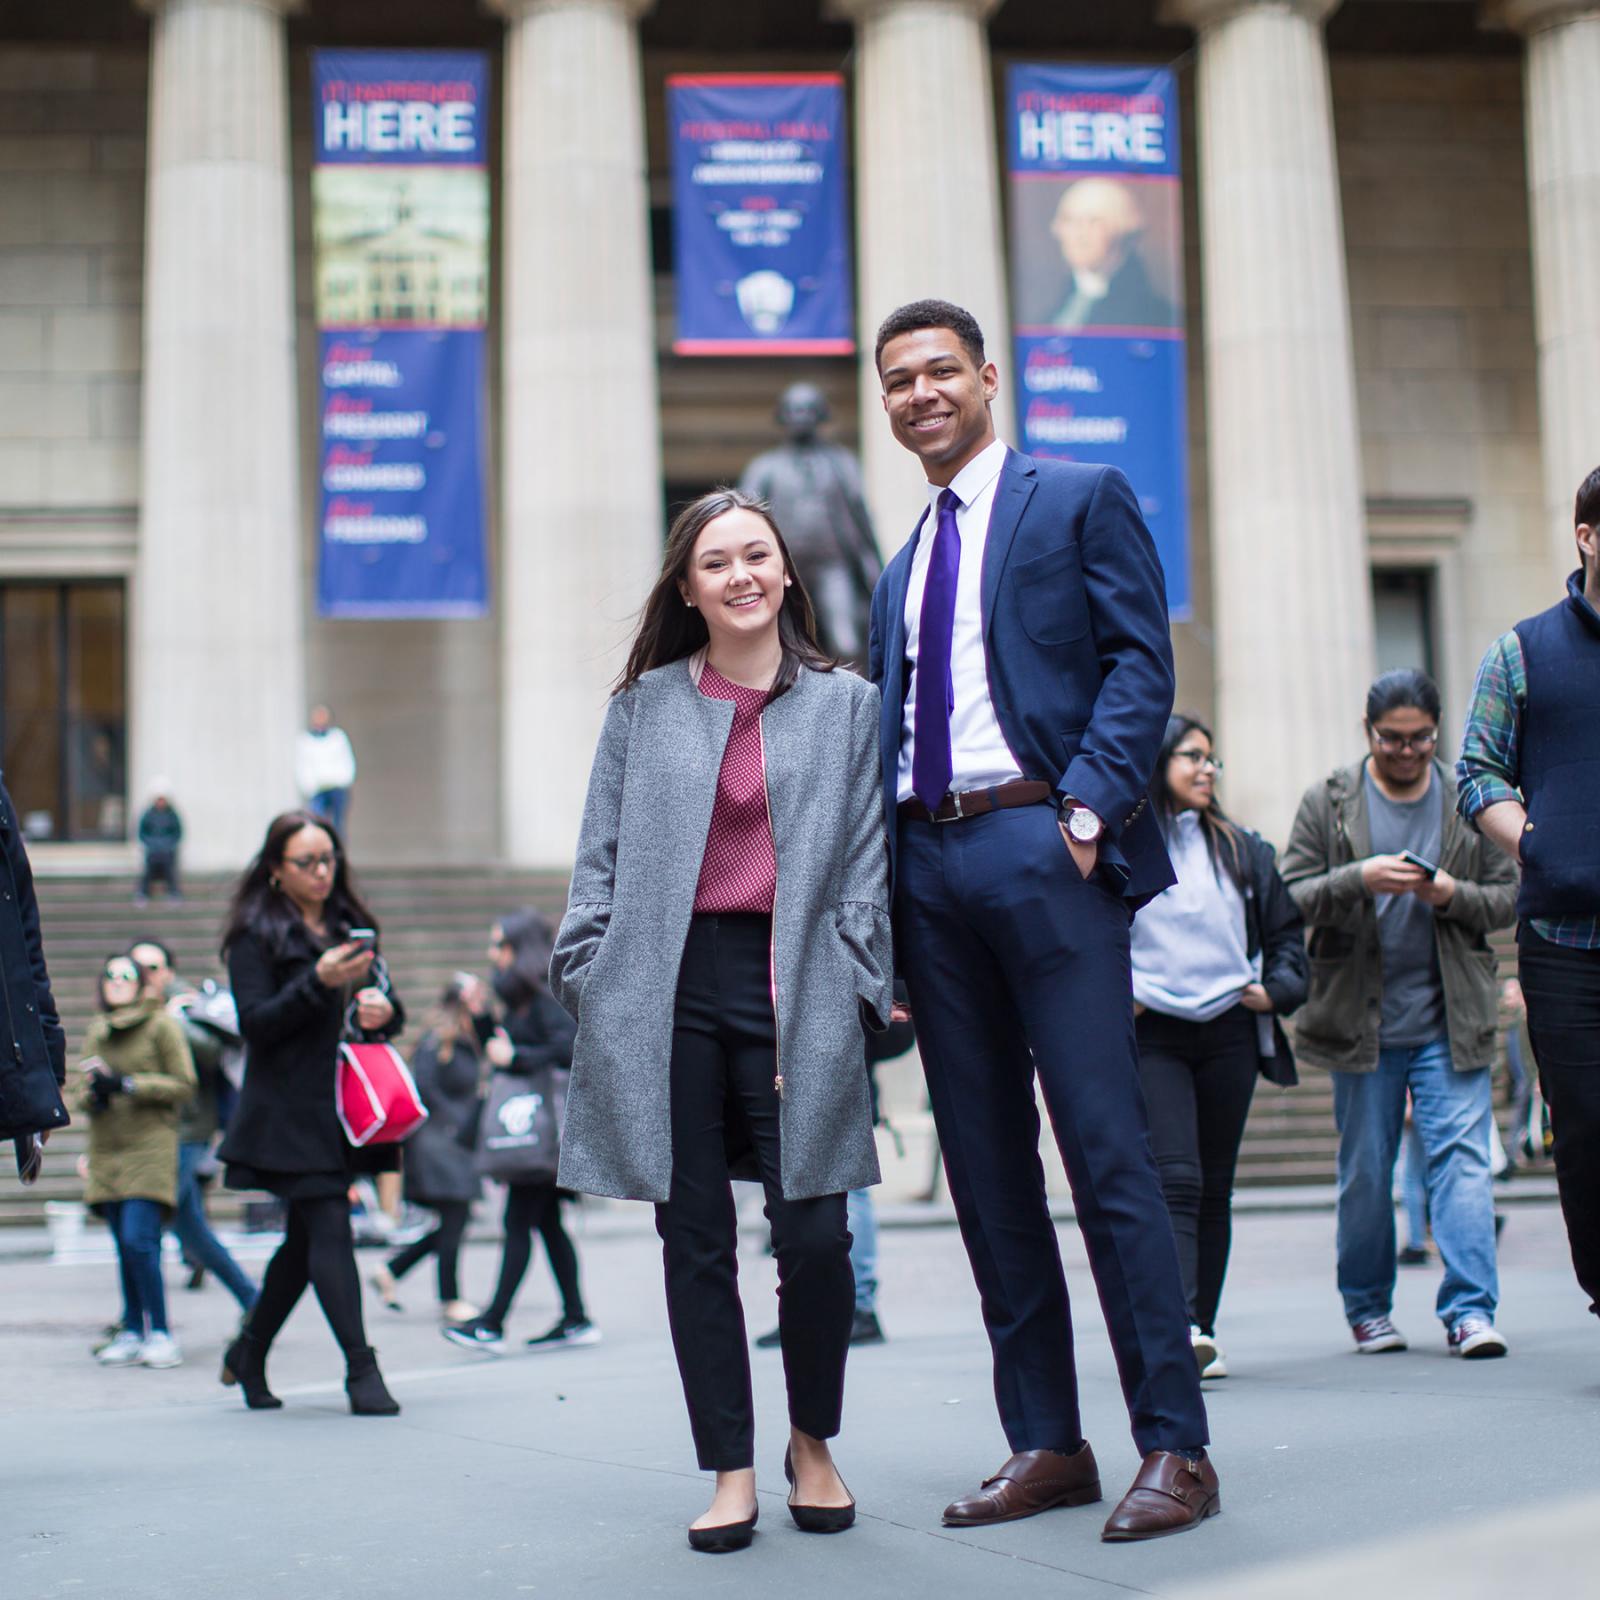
{"points": [[863, 1223], [332, 804], [1414, 1188], [136, 1229], [200, 1244], [1450, 1111]]}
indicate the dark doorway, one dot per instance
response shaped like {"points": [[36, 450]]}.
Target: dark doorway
{"points": [[64, 707]]}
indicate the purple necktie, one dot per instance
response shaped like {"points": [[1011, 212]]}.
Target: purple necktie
{"points": [[931, 763]]}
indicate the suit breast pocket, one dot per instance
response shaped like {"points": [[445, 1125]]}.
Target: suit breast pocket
{"points": [[1050, 597]]}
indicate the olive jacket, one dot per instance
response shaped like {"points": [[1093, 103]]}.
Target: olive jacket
{"points": [[1338, 1027], [133, 1139]]}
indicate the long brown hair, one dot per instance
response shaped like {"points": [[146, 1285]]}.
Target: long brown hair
{"points": [[261, 908], [669, 630], [1224, 843]]}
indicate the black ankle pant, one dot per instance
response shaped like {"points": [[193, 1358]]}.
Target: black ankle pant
{"points": [[317, 1249], [1562, 988], [1198, 1079], [444, 1241], [723, 1065], [530, 1207]]}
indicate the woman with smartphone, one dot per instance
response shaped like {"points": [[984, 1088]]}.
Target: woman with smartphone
{"points": [[727, 926], [136, 1077], [1218, 959], [301, 950]]}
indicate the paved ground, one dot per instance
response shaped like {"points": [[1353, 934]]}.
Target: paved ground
{"points": [[571, 1474]]}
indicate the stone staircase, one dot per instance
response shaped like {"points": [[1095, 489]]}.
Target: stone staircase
{"points": [[433, 923]]}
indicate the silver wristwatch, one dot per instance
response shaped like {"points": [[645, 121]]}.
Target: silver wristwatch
{"points": [[1083, 825]]}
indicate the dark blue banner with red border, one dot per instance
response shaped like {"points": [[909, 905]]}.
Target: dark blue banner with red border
{"points": [[400, 204], [761, 214], [1097, 284]]}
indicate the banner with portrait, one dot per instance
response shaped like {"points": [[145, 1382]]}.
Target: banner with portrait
{"points": [[1097, 284], [400, 217], [761, 232]]}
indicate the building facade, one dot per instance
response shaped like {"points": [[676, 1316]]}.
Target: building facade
{"points": [[1392, 214]]}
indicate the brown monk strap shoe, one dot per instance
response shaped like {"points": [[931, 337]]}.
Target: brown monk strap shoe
{"points": [[1171, 1492], [1030, 1482]]}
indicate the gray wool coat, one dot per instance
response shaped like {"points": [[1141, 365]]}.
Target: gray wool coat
{"points": [[617, 953]]}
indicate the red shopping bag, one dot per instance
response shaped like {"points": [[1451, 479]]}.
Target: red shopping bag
{"points": [[376, 1096]]}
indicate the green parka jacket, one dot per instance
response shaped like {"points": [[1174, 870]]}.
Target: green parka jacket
{"points": [[1337, 1028], [133, 1141]]}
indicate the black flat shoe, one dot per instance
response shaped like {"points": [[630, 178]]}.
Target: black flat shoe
{"points": [[817, 1519], [726, 1536]]}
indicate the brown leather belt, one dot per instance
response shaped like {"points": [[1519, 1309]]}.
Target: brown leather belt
{"points": [[975, 802]]}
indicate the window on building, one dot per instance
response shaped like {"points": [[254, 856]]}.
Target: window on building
{"points": [[1402, 608], [63, 707]]}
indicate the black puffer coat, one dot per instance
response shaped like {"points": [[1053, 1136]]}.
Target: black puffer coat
{"points": [[33, 1047], [439, 1168]]}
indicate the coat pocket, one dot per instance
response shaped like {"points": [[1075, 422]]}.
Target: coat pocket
{"points": [[1050, 596]]}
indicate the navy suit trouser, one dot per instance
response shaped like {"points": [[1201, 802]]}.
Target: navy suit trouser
{"points": [[1017, 964]]}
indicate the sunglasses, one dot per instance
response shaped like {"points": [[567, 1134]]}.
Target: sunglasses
{"points": [[121, 974]]}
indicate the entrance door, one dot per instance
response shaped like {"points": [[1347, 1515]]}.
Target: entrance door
{"points": [[63, 707]]}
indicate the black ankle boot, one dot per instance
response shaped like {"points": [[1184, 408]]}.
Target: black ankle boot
{"points": [[244, 1362], [364, 1384]]}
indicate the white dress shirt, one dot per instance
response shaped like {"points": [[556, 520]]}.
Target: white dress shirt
{"points": [[979, 752]]}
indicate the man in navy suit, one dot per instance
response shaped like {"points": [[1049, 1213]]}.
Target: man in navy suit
{"points": [[1020, 640]]}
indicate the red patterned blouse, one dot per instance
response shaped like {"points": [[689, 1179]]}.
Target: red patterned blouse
{"points": [[740, 869]]}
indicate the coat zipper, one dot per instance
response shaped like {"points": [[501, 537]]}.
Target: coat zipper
{"points": [[772, 938]]}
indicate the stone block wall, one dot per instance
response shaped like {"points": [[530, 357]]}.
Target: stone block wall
{"points": [[1431, 161], [72, 136]]}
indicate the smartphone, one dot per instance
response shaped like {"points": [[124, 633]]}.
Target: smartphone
{"points": [[1423, 865], [363, 936]]}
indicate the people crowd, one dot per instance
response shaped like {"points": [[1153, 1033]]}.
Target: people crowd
{"points": [[1004, 818]]}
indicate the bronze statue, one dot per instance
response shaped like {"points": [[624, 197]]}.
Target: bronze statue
{"points": [[814, 489]]}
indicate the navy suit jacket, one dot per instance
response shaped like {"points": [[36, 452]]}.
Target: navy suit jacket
{"points": [[1079, 656]]}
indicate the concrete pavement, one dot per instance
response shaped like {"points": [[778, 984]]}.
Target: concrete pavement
{"points": [[571, 1473]]}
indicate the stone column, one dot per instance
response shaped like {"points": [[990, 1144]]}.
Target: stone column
{"points": [[581, 433], [1562, 71], [1292, 606], [217, 611], [927, 178]]}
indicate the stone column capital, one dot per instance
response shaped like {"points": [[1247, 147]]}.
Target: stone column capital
{"points": [[859, 11], [1202, 14], [520, 10], [1530, 16], [283, 8]]}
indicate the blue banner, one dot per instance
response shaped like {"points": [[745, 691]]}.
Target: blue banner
{"points": [[400, 202], [1097, 284], [760, 216]]}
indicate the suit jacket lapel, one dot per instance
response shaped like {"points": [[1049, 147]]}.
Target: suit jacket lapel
{"points": [[1011, 496]]}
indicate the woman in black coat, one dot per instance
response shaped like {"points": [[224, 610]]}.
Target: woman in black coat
{"points": [[441, 1169], [300, 981], [1218, 959], [535, 1034]]}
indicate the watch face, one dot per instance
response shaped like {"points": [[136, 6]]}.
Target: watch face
{"points": [[1084, 826]]}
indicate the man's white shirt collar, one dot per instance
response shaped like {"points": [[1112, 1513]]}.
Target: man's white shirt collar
{"points": [[973, 478]]}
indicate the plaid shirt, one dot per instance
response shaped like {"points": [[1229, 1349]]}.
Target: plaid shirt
{"points": [[1491, 761]]}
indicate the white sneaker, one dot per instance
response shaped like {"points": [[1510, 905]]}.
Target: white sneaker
{"points": [[1218, 1365], [1475, 1339], [160, 1350], [123, 1350], [1205, 1348]]}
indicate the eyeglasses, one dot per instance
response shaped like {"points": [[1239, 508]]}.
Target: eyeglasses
{"points": [[121, 975], [1198, 758], [323, 863], [1405, 741]]}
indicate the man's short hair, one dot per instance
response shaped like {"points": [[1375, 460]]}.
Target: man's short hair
{"points": [[1587, 509], [931, 314]]}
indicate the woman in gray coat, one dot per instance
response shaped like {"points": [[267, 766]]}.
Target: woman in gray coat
{"points": [[728, 922]]}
